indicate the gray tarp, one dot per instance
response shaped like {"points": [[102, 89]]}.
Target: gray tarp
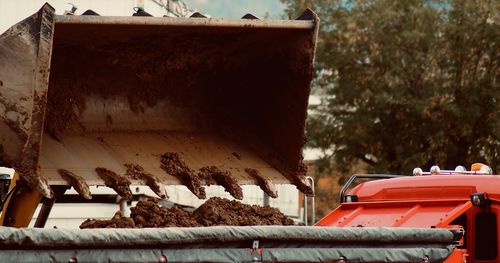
{"points": [[227, 244]]}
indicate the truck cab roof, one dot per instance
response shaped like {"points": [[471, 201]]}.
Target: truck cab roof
{"points": [[432, 187], [412, 201]]}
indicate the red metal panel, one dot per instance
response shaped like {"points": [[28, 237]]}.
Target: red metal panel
{"points": [[432, 187], [458, 256], [396, 213]]}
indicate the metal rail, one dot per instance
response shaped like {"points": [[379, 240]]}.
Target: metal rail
{"points": [[313, 207], [363, 176]]}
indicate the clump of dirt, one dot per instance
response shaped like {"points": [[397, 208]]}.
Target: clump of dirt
{"points": [[266, 185], [300, 181], [137, 172], [214, 212], [149, 214], [77, 182], [224, 178], [220, 211], [120, 184], [117, 221], [173, 164]]}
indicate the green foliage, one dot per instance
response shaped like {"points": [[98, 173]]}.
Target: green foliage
{"points": [[406, 83]]}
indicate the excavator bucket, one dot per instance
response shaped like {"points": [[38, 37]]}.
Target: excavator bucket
{"points": [[95, 100]]}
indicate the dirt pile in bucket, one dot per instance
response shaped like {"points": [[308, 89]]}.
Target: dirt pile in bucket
{"points": [[214, 212]]}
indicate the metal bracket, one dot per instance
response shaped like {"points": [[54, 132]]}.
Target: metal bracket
{"points": [[47, 204], [313, 206], [363, 176], [256, 252]]}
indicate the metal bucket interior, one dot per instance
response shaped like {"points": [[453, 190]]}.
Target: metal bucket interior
{"points": [[230, 94]]}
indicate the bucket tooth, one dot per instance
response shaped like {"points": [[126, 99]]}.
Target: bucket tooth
{"points": [[30, 173], [141, 12], [249, 16], [37, 182], [223, 178], [265, 184], [308, 14], [76, 182], [174, 165], [304, 186], [197, 15], [90, 12], [137, 172], [120, 184]]}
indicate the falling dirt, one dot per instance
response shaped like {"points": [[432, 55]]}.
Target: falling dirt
{"points": [[136, 171], [266, 185], [77, 182], [63, 111], [120, 184], [214, 212], [224, 178], [174, 165]]}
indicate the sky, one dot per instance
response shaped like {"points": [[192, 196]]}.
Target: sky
{"points": [[238, 8]]}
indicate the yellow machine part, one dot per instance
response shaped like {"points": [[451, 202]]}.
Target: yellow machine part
{"points": [[24, 203]]}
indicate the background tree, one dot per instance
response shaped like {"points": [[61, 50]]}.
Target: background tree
{"points": [[406, 83]]}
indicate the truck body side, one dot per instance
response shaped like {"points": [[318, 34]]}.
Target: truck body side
{"points": [[433, 201]]}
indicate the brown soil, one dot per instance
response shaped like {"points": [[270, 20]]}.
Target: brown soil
{"points": [[220, 211], [77, 182], [173, 164], [212, 173], [120, 184], [137, 172], [149, 214], [216, 211], [117, 221]]}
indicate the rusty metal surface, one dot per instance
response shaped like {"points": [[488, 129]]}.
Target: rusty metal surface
{"points": [[185, 22], [25, 52], [230, 95]]}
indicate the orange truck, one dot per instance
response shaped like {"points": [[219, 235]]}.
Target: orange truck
{"points": [[439, 199], [95, 100]]}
